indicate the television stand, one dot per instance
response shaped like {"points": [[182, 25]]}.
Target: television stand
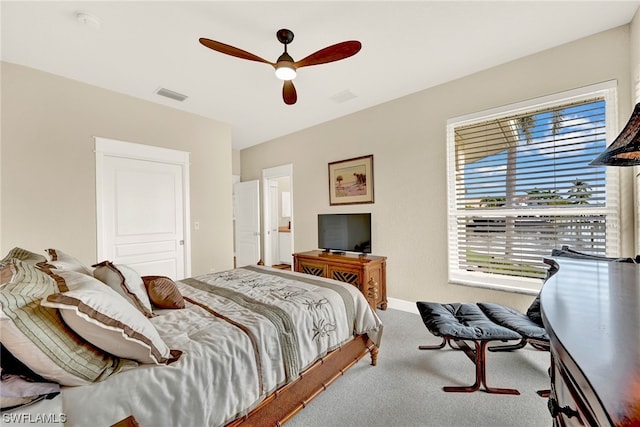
{"points": [[366, 272]]}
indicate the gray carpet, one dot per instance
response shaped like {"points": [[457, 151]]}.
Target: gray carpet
{"points": [[405, 388]]}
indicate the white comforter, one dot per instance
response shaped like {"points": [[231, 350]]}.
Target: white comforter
{"points": [[235, 351]]}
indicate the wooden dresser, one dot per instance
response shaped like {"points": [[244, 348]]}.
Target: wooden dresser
{"points": [[359, 270], [591, 310]]}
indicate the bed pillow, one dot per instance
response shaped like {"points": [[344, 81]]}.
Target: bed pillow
{"points": [[163, 292], [23, 255], [63, 261], [102, 317], [6, 272], [125, 281], [39, 338]]}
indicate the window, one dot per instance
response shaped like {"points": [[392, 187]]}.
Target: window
{"points": [[520, 185]]}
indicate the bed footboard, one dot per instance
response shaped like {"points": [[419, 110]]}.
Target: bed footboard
{"points": [[280, 406]]}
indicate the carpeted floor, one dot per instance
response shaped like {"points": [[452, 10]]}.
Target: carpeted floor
{"points": [[405, 388]]}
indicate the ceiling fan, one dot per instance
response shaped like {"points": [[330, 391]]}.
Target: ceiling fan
{"points": [[285, 66]]}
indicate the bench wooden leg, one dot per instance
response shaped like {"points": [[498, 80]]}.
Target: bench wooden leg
{"points": [[444, 342], [478, 357]]}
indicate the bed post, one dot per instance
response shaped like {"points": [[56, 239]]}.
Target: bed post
{"points": [[373, 351], [372, 293]]}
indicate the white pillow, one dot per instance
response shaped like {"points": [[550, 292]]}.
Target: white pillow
{"points": [[102, 317], [63, 261], [125, 281]]}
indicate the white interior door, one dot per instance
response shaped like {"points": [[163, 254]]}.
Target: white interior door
{"points": [[142, 213], [247, 230]]}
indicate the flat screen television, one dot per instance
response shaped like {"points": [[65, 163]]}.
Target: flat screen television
{"points": [[345, 232]]}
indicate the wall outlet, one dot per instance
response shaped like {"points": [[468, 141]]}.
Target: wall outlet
{"points": [[196, 225], [212, 270]]}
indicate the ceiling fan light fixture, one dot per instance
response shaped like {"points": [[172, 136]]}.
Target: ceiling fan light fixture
{"points": [[285, 71], [285, 67]]}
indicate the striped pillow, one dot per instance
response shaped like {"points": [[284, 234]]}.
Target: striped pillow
{"points": [[38, 336], [23, 255], [6, 273], [163, 292]]}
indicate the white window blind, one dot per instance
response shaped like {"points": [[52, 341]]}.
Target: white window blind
{"points": [[520, 185]]}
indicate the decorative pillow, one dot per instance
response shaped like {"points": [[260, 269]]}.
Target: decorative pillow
{"points": [[101, 316], [23, 255], [163, 292], [63, 261], [6, 272], [38, 336], [125, 281]]}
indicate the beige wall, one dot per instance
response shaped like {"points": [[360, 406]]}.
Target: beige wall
{"points": [[408, 141], [235, 162], [635, 98], [48, 164], [635, 58]]}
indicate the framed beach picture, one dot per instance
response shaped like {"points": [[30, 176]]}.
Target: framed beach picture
{"points": [[351, 181]]}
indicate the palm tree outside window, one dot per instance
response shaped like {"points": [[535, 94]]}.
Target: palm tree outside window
{"points": [[520, 185]]}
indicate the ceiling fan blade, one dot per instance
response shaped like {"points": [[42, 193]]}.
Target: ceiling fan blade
{"points": [[331, 53], [289, 93], [233, 51]]}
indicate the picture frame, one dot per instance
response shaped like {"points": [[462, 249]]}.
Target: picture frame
{"points": [[351, 181]]}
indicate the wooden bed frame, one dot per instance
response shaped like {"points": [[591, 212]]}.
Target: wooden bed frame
{"points": [[285, 402]]}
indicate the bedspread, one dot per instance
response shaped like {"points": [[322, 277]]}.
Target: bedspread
{"points": [[243, 333]]}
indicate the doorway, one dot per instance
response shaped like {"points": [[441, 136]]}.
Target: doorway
{"points": [[278, 230], [142, 207], [246, 208]]}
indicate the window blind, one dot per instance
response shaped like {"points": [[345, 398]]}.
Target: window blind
{"points": [[520, 185]]}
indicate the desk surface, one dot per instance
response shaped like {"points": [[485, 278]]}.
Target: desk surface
{"points": [[591, 309]]}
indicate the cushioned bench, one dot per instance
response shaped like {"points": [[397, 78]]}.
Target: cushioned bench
{"points": [[532, 332], [484, 322], [458, 323]]}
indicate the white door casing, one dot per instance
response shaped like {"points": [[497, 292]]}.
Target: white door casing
{"points": [[271, 211], [142, 207], [268, 175], [247, 222]]}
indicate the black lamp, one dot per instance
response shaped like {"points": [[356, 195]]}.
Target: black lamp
{"points": [[625, 149]]}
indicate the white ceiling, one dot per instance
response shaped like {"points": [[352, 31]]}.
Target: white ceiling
{"points": [[406, 47]]}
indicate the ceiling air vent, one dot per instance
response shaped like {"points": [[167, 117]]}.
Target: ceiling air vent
{"points": [[343, 96], [171, 94]]}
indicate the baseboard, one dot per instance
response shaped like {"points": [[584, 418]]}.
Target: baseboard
{"points": [[398, 304]]}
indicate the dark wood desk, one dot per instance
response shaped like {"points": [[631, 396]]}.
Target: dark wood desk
{"points": [[591, 310]]}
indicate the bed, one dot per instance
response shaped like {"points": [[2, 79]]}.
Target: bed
{"points": [[250, 346]]}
